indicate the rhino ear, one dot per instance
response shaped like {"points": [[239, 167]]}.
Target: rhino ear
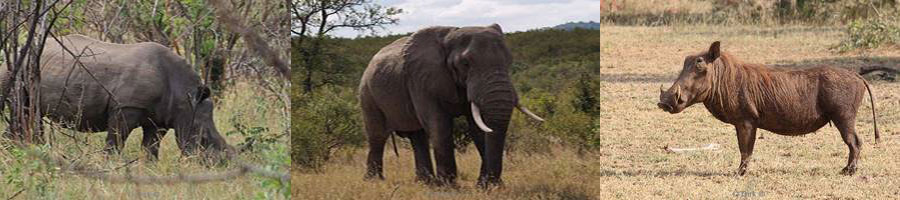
{"points": [[202, 92], [714, 52]]}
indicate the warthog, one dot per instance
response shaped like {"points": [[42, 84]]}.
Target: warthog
{"points": [[785, 102]]}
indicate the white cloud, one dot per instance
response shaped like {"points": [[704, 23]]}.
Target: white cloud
{"points": [[512, 15]]}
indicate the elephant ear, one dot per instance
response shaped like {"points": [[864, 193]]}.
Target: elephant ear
{"points": [[426, 54], [496, 27]]}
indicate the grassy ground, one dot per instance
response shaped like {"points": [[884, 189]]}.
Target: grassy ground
{"points": [[632, 162], [244, 103]]}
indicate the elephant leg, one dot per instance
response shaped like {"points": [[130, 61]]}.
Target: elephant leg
{"points": [[120, 124], [376, 134], [438, 128], [424, 167], [152, 137], [478, 137]]}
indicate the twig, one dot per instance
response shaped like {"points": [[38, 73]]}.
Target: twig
{"points": [[16, 194]]}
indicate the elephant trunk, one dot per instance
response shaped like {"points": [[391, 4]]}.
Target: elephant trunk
{"points": [[494, 102]]}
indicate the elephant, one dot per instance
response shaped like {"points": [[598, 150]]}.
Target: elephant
{"points": [[415, 86], [119, 87]]}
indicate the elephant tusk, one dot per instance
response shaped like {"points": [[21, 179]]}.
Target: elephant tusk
{"points": [[476, 115], [528, 112]]}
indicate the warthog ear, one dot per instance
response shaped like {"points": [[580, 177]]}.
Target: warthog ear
{"points": [[203, 93], [713, 52]]}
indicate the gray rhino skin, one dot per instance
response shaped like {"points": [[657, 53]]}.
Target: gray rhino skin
{"points": [[151, 87]]}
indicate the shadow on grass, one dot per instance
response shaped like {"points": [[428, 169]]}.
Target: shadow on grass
{"points": [[878, 67], [853, 63], [637, 78], [662, 173], [544, 191]]}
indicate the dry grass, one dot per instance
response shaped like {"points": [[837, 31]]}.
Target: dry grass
{"points": [[245, 102], [632, 163]]}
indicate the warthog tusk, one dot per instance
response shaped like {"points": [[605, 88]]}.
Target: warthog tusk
{"points": [[476, 115], [528, 112], [661, 89]]}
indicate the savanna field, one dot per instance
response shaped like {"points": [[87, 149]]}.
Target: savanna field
{"points": [[629, 159]]}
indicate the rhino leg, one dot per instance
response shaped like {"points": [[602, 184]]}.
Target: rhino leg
{"points": [[120, 125], [746, 135], [151, 140]]}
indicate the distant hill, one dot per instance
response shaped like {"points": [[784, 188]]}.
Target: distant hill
{"points": [[573, 25]]}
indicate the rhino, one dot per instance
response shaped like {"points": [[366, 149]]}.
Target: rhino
{"points": [[119, 87]]}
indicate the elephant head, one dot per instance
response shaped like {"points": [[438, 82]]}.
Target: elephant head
{"points": [[477, 61]]}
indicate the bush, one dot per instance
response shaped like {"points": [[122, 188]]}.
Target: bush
{"points": [[871, 33], [323, 122]]}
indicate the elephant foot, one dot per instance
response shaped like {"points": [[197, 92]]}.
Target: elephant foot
{"points": [[848, 170], [489, 184], [373, 176], [427, 180]]}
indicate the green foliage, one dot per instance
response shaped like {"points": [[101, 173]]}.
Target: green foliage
{"points": [[813, 12], [277, 160], [28, 171], [324, 121], [575, 129], [871, 33], [586, 100]]}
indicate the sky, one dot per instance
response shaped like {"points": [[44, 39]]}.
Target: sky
{"points": [[512, 15]]}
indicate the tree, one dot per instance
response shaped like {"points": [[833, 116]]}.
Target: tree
{"points": [[313, 20], [31, 21]]}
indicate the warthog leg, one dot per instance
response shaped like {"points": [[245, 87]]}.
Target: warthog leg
{"points": [[746, 135], [848, 133]]}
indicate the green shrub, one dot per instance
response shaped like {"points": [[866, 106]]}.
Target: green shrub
{"points": [[324, 121], [586, 98], [871, 33]]}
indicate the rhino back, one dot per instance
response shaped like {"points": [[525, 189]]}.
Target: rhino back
{"points": [[106, 77]]}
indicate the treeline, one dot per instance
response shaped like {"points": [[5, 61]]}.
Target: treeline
{"points": [[188, 27], [552, 71]]}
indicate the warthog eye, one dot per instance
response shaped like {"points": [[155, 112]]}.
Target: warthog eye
{"points": [[699, 60]]}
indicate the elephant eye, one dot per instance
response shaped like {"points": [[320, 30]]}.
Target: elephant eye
{"points": [[464, 62]]}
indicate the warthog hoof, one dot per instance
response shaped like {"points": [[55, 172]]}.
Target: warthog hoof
{"points": [[742, 171], [848, 170]]}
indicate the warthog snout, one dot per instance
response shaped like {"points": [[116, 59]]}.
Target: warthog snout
{"points": [[671, 100]]}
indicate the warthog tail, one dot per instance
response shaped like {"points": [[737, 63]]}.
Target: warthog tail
{"points": [[872, 101]]}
